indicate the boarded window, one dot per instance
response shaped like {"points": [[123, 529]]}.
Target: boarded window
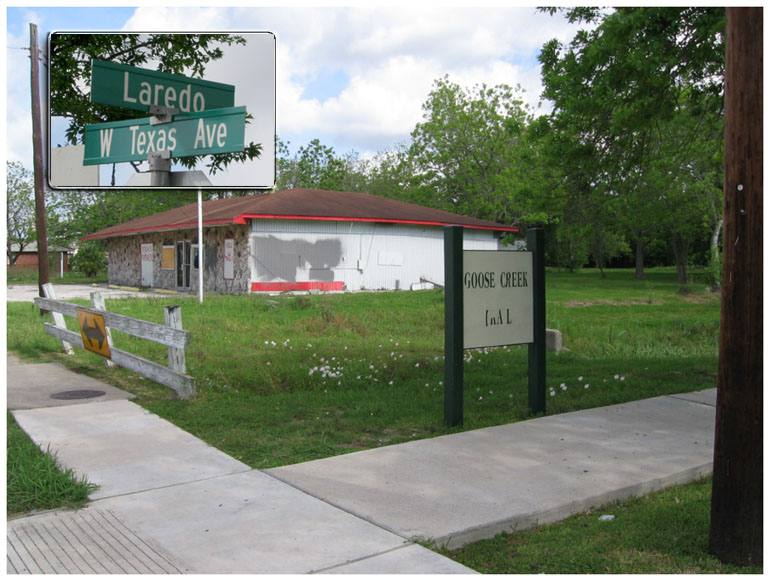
{"points": [[167, 257]]}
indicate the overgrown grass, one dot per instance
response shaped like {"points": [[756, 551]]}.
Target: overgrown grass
{"points": [[35, 481], [29, 275], [292, 378], [664, 532]]}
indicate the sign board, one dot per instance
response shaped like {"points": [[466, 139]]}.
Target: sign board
{"points": [[189, 134], [492, 298], [93, 330], [229, 258], [147, 263], [135, 88], [497, 298]]}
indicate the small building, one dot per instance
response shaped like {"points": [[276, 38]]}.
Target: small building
{"points": [[27, 256], [299, 239]]}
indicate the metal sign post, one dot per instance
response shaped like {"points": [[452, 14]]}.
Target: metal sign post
{"points": [[201, 246]]}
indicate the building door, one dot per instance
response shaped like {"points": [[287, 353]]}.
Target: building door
{"points": [[147, 265], [183, 264]]}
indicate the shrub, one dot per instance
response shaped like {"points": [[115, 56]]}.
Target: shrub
{"points": [[90, 259]]}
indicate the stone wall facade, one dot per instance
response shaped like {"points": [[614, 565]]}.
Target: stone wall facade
{"points": [[124, 259]]}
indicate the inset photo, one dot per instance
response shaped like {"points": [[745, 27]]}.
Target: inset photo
{"points": [[162, 110]]}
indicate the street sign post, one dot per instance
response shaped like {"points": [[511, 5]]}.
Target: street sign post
{"points": [[136, 88], [189, 134]]}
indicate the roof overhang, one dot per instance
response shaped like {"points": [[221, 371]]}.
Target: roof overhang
{"points": [[243, 219]]}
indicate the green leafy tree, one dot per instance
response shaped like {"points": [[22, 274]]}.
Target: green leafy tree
{"points": [[620, 90], [70, 79], [20, 210], [390, 173], [315, 166], [469, 155], [90, 258], [83, 212]]}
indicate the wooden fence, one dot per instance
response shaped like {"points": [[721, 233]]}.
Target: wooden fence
{"points": [[97, 330]]}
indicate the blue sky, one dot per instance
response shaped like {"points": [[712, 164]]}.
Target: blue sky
{"points": [[353, 77]]}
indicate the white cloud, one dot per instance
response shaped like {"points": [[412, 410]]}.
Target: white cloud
{"points": [[389, 55]]}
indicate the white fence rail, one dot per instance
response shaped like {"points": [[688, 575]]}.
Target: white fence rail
{"points": [[171, 334]]}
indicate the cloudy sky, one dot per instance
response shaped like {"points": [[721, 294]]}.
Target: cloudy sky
{"points": [[353, 77]]}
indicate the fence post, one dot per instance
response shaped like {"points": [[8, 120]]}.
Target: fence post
{"points": [[176, 357], [97, 300], [58, 318]]}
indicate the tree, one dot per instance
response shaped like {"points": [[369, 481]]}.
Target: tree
{"points": [[390, 173], [70, 78], [470, 154], [20, 210], [618, 88], [90, 258], [315, 166], [77, 213]]}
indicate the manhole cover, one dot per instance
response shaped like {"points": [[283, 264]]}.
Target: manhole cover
{"points": [[78, 394]]}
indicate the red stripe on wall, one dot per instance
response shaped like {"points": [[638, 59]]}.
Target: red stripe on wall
{"points": [[337, 285]]}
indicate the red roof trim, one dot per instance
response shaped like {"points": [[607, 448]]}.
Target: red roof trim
{"points": [[243, 217]]}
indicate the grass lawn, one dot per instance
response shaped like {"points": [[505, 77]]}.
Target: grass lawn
{"points": [[29, 275], [289, 378], [661, 533], [34, 480]]}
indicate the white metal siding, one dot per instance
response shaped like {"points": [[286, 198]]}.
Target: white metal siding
{"points": [[363, 255]]}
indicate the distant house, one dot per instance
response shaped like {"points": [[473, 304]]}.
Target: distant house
{"points": [[27, 257], [299, 239]]}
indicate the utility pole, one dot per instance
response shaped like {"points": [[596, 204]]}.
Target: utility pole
{"points": [[39, 169], [736, 500]]}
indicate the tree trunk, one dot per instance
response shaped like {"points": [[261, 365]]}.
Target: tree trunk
{"points": [[714, 269], [715, 240], [680, 258], [736, 500], [639, 256]]}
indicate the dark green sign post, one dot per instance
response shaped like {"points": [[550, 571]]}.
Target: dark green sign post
{"points": [[514, 286], [536, 245], [453, 325]]}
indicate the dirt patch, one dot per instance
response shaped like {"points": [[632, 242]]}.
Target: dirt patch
{"points": [[613, 303], [700, 298]]}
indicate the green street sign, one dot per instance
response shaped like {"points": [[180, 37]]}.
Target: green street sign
{"points": [[134, 88], [215, 131]]}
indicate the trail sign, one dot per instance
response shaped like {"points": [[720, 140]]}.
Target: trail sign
{"points": [[492, 298], [215, 131], [135, 88], [93, 330], [497, 298]]}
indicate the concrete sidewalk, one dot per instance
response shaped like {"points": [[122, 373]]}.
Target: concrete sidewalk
{"points": [[168, 502]]}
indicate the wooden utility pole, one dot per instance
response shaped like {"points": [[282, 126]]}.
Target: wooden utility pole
{"points": [[39, 169], [736, 503]]}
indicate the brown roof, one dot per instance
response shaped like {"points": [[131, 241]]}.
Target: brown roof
{"points": [[297, 204]]}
